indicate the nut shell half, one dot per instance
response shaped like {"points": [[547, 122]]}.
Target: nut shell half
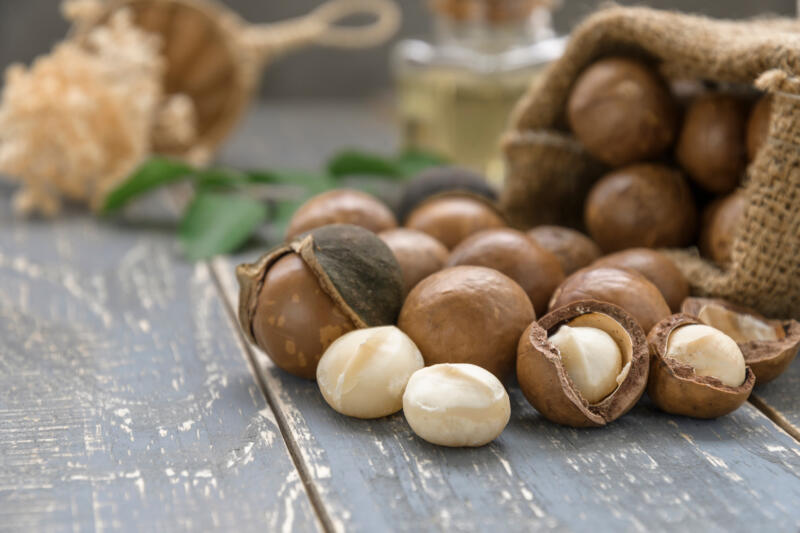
{"points": [[767, 359], [624, 288], [675, 388], [545, 382]]}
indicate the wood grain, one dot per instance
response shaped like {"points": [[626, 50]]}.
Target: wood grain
{"points": [[646, 472], [125, 402], [780, 399]]}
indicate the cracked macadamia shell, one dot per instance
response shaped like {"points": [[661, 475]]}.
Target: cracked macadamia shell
{"points": [[511, 252], [419, 254], [720, 221], [675, 388], [621, 110], [572, 248], [657, 268], [768, 346], [545, 381], [341, 206], [300, 297], [456, 405], [711, 144], [364, 372], [467, 314], [452, 217], [624, 288], [643, 205], [438, 180]]}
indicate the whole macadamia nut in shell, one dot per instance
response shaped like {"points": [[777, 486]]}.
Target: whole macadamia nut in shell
{"points": [[711, 145], [720, 221], [657, 268], [572, 248], [341, 206], [643, 205], [300, 297], [438, 180], [511, 252], [545, 381], [676, 388], [769, 346], [625, 288], [621, 110], [419, 254], [452, 217], [467, 314]]}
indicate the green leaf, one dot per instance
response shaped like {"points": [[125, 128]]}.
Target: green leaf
{"points": [[150, 175], [356, 162], [413, 162], [218, 223]]}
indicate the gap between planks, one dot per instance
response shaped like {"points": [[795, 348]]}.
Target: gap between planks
{"points": [[283, 425], [775, 416]]}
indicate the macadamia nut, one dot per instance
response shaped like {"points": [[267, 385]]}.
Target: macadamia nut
{"points": [[709, 352], [456, 405], [364, 373], [592, 359]]}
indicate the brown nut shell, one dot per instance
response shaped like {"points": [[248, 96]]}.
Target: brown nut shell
{"points": [[511, 252], [643, 205], [720, 221], [437, 180], [419, 254], [573, 249], [545, 382], [624, 288], [622, 111], [767, 358], [467, 314], [341, 206], [711, 145], [353, 269], [657, 268], [758, 125], [451, 217], [676, 389]]}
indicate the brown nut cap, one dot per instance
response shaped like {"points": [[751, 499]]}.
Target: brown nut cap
{"points": [[545, 382], [657, 268], [438, 180], [341, 206], [711, 145], [622, 111], [624, 288], [467, 314], [300, 297], [758, 125], [641, 205], [720, 220], [573, 249], [768, 346], [511, 252], [675, 388], [452, 217], [419, 254]]}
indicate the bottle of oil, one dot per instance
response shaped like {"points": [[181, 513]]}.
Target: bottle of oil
{"points": [[456, 92]]}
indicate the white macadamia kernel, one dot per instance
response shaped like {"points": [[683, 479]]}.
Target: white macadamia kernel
{"points": [[364, 372], [709, 352], [456, 405], [592, 359], [741, 327]]}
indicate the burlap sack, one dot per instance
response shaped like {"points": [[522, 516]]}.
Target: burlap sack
{"points": [[549, 173]]}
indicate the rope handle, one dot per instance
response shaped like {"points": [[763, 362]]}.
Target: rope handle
{"points": [[321, 27]]}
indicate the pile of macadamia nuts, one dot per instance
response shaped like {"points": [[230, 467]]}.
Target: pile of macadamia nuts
{"points": [[432, 309]]}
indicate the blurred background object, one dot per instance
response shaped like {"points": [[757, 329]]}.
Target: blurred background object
{"points": [[31, 27]]}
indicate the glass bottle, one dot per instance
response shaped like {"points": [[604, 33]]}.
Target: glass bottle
{"points": [[456, 92]]}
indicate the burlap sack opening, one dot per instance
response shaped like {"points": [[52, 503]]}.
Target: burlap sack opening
{"points": [[549, 173]]}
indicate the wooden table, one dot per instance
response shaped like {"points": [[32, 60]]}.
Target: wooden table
{"points": [[130, 401]]}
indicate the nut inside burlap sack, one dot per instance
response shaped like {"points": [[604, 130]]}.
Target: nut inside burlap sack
{"points": [[549, 173]]}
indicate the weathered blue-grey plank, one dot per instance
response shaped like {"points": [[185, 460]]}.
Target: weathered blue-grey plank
{"points": [[125, 402], [780, 399], [647, 472]]}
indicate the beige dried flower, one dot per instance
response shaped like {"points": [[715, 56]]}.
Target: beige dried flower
{"points": [[83, 117]]}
